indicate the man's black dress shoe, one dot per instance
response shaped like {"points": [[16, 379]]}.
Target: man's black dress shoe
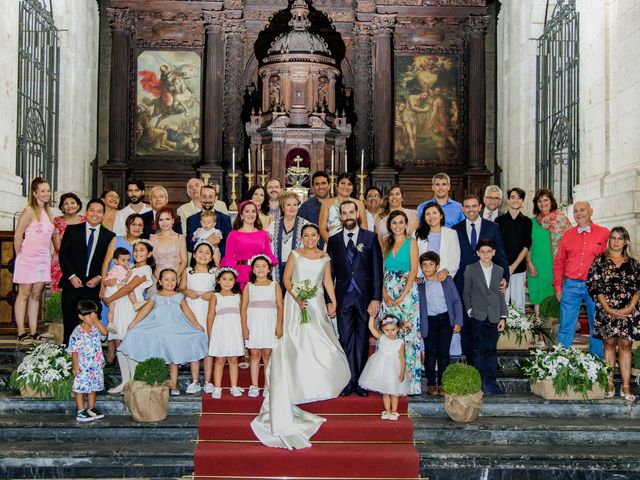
{"points": [[346, 391], [361, 391]]}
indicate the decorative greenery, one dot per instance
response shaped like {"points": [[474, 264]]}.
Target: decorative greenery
{"points": [[47, 370], [152, 371], [566, 368], [461, 379], [635, 362], [521, 326], [550, 308], [53, 308]]}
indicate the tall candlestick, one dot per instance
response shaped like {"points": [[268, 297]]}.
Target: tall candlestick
{"points": [[346, 167], [362, 162], [249, 157], [262, 164], [233, 160], [332, 155]]}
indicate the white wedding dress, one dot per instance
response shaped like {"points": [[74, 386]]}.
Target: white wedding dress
{"points": [[307, 365]]}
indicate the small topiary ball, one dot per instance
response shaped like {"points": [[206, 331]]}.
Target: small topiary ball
{"points": [[152, 371], [461, 379]]}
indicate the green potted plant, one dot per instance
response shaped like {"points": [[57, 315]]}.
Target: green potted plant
{"points": [[550, 316], [147, 395], [520, 331], [462, 387], [53, 316], [566, 374], [46, 371]]}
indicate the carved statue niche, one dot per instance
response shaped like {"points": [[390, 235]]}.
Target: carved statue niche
{"points": [[323, 93], [274, 92]]}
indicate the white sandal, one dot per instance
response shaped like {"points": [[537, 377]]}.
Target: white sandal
{"points": [[629, 397]]}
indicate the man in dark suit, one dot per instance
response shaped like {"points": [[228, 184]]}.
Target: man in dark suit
{"points": [[470, 231], [356, 260], [223, 222], [158, 198], [82, 252]]}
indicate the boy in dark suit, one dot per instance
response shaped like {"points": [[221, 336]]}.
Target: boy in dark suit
{"points": [[487, 309]]}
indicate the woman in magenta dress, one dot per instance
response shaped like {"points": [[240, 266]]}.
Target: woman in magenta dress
{"points": [[246, 240], [70, 205], [32, 242]]}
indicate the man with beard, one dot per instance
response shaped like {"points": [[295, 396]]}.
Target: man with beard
{"points": [[194, 206], [158, 198], [356, 260], [223, 222], [135, 195], [310, 210], [274, 189]]}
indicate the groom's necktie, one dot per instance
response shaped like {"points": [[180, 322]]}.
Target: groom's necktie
{"points": [[89, 248], [474, 237], [351, 248]]}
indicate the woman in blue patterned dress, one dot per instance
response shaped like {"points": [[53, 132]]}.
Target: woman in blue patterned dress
{"points": [[85, 347], [400, 293]]}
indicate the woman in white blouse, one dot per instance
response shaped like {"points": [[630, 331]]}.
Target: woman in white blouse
{"points": [[433, 236]]}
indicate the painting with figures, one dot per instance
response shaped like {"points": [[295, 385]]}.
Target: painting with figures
{"points": [[427, 121], [168, 92]]}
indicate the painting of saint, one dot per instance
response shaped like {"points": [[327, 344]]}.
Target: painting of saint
{"points": [[426, 109], [168, 103]]}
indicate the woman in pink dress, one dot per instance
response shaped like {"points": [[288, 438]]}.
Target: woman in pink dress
{"points": [[32, 242], [246, 240], [70, 205], [169, 247]]}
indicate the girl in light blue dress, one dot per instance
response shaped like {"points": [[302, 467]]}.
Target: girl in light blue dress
{"points": [[167, 328]]}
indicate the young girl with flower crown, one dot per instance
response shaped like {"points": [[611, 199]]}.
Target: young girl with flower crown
{"points": [[224, 328], [384, 371], [199, 282], [123, 308], [261, 316]]}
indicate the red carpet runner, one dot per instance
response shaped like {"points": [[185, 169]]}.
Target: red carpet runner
{"points": [[352, 443]]}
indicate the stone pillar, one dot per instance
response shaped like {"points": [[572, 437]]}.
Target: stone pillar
{"points": [[234, 34], [213, 111], [363, 89], [383, 118], [115, 171]]}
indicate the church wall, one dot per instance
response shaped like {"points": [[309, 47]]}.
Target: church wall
{"points": [[609, 105]]}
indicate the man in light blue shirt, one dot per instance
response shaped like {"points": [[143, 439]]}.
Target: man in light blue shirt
{"points": [[441, 184]]}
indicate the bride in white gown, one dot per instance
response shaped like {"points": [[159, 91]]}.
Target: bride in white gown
{"points": [[307, 363]]}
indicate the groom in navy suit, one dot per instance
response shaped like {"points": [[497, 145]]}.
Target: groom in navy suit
{"points": [[470, 231], [357, 269]]}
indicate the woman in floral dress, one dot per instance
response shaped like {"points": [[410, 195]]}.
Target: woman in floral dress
{"points": [[614, 284], [70, 205], [400, 293]]}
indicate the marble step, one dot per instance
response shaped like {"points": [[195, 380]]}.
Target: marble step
{"points": [[64, 427], [111, 458], [442, 461], [528, 431]]}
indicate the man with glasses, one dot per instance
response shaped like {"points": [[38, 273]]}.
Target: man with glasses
{"points": [[492, 201], [373, 201]]}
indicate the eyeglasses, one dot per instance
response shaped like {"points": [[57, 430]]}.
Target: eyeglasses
{"points": [[494, 198], [371, 197]]}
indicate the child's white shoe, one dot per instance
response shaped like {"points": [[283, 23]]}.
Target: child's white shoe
{"points": [[174, 392], [384, 415], [139, 305], [236, 391], [393, 416], [208, 387], [254, 391], [111, 328], [216, 393], [193, 387]]}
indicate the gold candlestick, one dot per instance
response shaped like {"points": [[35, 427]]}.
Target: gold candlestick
{"points": [[249, 179], [233, 207], [362, 176], [332, 183], [263, 178]]}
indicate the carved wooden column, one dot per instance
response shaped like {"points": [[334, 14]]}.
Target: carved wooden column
{"points": [[383, 116], [477, 175], [115, 171], [234, 33], [363, 90], [213, 112]]}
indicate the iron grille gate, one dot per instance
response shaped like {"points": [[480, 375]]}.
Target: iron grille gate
{"points": [[38, 93], [557, 68]]}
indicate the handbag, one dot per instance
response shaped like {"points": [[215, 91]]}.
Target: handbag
{"points": [[455, 348]]}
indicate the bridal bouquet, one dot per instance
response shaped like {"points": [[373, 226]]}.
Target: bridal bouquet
{"points": [[305, 290]]}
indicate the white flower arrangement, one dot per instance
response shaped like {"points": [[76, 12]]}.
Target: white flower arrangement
{"points": [[304, 290], [522, 326], [360, 247], [46, 370], [566, 368]]}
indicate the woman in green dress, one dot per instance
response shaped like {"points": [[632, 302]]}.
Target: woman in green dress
{"points": [[549, 224], [400, 293]]}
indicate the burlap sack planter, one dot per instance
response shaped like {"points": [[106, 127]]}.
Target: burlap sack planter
{"points": [[28, 392], [545, 390], [552, 324], [145, 402], [509, 341], [463, 408]]}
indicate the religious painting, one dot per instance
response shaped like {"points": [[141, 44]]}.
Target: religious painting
{"points": [[427, 109], [168, 99]]}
